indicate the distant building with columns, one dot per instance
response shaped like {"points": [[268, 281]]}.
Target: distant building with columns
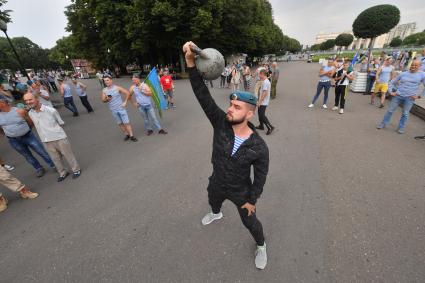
{"points": [[401, 31]]}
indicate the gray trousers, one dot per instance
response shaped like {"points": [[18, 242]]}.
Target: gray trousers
{"points": [[57, 150]]}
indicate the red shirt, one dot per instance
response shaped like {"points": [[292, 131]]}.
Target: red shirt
{"points": [[166, 82]]}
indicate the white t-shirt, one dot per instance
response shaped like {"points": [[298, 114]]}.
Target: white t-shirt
{"points": [[265, 86]]}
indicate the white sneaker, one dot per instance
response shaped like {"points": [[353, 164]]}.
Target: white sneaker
{"points": [[311, 105], [341, 111], [8, 167], [210, 217], [324, 106], [261, 257], [334, 108]]}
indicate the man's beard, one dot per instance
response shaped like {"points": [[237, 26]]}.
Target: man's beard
{"points": [[233, 121]]}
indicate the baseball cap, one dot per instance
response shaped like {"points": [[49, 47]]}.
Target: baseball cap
{"points": [[244, 96]]}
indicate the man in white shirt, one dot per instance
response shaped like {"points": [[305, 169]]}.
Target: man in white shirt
{"points": [[48, 124]]}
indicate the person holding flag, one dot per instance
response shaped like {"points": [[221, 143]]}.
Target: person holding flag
{"points": [[143, 103], [342, 79]]}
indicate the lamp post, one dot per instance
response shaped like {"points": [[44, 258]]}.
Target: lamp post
{"points": [[109, 58], [3, 27]]}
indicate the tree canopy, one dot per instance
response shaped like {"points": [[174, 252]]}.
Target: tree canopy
{"points": [[415, 39], [375, 21], [4, 14], [153, 31], [32, 55], [328, 44], [396, 41], [344, 39], [315, 47]]}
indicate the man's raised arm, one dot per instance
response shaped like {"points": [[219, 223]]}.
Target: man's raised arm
{"points": [[213, 112]]}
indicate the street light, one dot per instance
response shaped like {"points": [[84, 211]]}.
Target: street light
{"points": [[109, 57], [3, 27]]}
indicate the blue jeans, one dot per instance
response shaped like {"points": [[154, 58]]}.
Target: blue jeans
{"points": [[369, 83], [70, 105], [322, 85], [149, 117], [395, 102], [24, 143]]}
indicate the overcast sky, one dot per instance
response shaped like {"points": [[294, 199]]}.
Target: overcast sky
{"points": [[43, 21]]}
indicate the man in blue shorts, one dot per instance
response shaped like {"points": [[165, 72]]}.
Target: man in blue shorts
{"points": [[111, 94]]}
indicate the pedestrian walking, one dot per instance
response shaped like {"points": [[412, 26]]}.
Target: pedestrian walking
{"points": [[258, 81], [404, 89], [48, 123], [263, 102], [246, 71], [111, 94], [68, 100], [80, 89], [167, 85], [223, 78], [384, 75], [236, 148], [371, 76], [228, 75], [236, 78], [325, 75], [51, 79], [99, 76], [275, 77], [16, 124], [143, 103]]}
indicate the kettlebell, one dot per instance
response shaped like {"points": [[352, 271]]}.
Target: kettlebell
{"points": [[209, 62]]}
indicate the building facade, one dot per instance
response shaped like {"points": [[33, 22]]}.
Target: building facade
{"points": [[401, 31]]}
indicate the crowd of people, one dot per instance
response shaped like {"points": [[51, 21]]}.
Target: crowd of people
{"points": [[386, 76], [17, 120], [251, 90]]}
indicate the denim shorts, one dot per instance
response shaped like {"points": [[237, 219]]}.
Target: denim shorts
{"points": [[121, 116], [169, 92]]}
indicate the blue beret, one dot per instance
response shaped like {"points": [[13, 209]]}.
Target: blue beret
{"points": [[244, 96]]}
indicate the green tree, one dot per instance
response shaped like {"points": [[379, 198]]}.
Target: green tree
{"points": [[375, 21], [4, 14], [32, 55], [344, 39], [64, 47], [294, 45], [153, 31], [415, 39], [328, 44], [315, 47], [396, 41]]}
